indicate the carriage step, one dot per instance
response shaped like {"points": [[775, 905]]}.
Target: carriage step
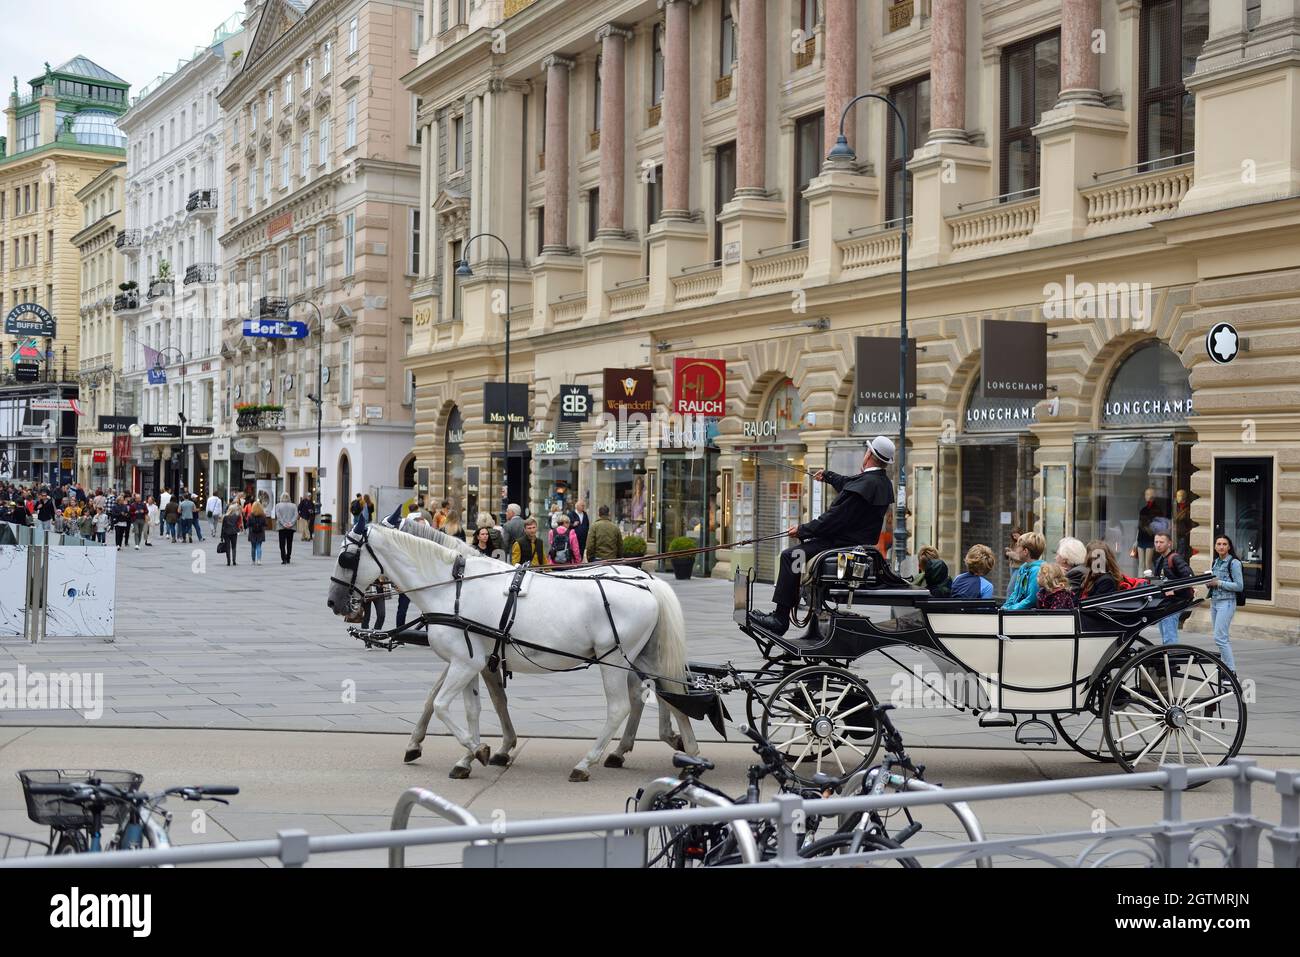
{"points": [[1035, 731], [996, 719]]}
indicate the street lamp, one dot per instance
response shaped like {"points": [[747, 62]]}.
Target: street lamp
{"points": [[464, 272], [842, 152], [319, 397], [160, 367]]}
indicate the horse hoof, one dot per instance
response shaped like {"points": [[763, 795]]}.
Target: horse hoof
{"points": [[458, 773], [678, 744], [482, 754], [412, 754], [501, 760], [614, 761], [578, 776]]}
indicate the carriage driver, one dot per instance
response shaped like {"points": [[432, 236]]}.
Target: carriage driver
{"points": [[854, 518]]}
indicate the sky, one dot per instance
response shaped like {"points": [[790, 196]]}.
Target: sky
{"points": [[135, 39]]}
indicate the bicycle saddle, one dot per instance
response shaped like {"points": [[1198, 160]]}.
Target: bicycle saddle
{"points": [[822, 781], [682, 760]]}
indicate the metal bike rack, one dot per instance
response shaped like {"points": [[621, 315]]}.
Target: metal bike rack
{"points": [[745, 842], [433, 802]]}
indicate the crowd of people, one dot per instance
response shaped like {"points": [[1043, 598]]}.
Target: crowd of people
{"points": [[570, 538]]}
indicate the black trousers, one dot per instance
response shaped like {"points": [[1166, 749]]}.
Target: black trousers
{"points": [[379, 614], [232, 542], [122, 533], [286, 544], [790, 569]]}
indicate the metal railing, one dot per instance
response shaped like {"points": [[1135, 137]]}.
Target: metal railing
{"points": [[992, 201], [201, 200], [1147, 166], [128, 239], [1173, 841], [200, 273]]}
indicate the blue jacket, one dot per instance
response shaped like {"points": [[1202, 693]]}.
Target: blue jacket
{"points": [[967, 585], [1023, 592], [1228, 572]]}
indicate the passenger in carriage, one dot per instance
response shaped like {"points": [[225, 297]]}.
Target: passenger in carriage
{"points": [[1103, 572], [854, 518], [1071, 555], [934, 573], [1054, 588], [1028, 550], [971, 583]]}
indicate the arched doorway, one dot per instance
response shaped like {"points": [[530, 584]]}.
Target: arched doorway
{"points": [[771, 490], [1133, 475], [406, 474], [344, 499]]}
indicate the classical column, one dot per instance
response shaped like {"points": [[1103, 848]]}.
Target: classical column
{"points": [[677, 108], [557, 153], [841, 70], [1080, 66], [947, 72], [613, 81], [751, 100]]}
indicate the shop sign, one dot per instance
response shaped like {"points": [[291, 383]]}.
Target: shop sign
{"points": [[699, 386], [575, 403], [302, 453], [29, 319], [1013, 359], [876, 380], [40, 431], [99, 456], [56, 405], [1146, 409], [220, 449], [116, 423], [873, 421], [455, 436], [280, 224], [496, 406], [247, 446], [612, 444], [199, 431], [1222, 342], [27, 372], [1000, 417], [629, 390], [551, 447], [162, 431]]}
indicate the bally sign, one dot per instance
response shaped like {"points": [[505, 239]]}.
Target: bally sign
{"points": [[1013, 359], [575, 403], [877, 372], [629, 390], [700, 386]]}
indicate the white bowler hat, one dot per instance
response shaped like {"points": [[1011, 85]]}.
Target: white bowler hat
{"points": [[883, 449]]}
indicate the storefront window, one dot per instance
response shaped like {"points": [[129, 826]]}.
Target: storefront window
{"points": [[453, 478], [1054, 505], [923, 509], [621, 484], [556, 463], [688, 503], [1243, 510]]}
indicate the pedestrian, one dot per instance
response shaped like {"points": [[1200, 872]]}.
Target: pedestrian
{"points": [[1170, 566], [358, 512], [151, 517], [45, 512], [1028, 551], [452, 525], [1072, 557], [563, 546], [1226, 592], [306, 515], [164, 500], [934, 573], [286, 521], [580, 522], [1054, 588], [483, 542], [605, 543], [102, 522], [171, 515], [213, 508], [377, 587], [553, 518], [440, 516], [369, 504], [1104, 576], [512, 530], [529, 550], [256, 531], [120, 513], [86, 524], [972, 583], [230, 526], [139, 519]]}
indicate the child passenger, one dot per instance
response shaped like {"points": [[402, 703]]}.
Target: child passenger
{"points": [[1054, 588], [971, 583]]}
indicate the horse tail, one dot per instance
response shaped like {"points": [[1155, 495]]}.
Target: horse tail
{"points": [[670, 635]]}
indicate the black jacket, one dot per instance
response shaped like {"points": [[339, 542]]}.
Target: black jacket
{"points": [[1172, 567], [856, 515]]}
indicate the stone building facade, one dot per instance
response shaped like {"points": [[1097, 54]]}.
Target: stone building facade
{"points": [[660, 174]]}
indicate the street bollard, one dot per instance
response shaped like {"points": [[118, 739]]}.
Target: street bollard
{"points": [[322, 540]]}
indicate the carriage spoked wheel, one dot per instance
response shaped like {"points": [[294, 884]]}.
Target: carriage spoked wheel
{"points": [[822, 719], [1084, 730], [1180, 704], [765, 678]]}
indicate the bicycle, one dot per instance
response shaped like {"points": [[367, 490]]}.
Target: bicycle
{"points": [[77, 806]]}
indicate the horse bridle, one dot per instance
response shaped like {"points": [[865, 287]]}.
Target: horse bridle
{"points": [[351, 561]]}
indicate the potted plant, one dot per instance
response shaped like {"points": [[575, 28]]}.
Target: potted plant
{"points": [[685, 564], [634, 547]]}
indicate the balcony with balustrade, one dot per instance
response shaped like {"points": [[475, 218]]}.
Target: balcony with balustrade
{"points": [[161, 287], [201, 273], [202, 204], [259, 418], [129, 241]]}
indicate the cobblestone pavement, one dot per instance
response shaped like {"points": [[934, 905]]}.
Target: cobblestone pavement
{"points": [[203, 645]]}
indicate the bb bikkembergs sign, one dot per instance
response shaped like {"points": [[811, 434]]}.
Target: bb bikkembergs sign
{"points": [[876, 382], [495, 403], [700, 387], [575, 403], [29, 319], [1013, 359], [629, 391]]}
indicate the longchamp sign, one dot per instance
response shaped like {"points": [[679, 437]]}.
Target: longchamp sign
{"points": [[876, 381], [1013, 359], [700, 386], [29, 319]]}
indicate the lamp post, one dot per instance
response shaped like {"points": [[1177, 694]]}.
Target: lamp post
{"points": [[464, 272], [319, 397], [158, 366], [843, 152]]}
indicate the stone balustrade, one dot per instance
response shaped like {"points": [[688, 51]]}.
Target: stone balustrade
{"points": [[1138, 197], [997, 224], [695, 286], [781, 268]]}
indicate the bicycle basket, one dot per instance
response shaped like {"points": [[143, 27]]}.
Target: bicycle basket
{"points": [[62, 814], [12, 846]]}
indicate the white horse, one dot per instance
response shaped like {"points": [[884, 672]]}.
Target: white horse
{"points": [[647, 637]]}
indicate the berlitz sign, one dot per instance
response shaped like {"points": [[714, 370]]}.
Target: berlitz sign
{"points": [[700, 386]]}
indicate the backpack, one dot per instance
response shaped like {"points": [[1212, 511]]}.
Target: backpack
{"points": [[1241, 595], [560, 550], [1127, 582]]}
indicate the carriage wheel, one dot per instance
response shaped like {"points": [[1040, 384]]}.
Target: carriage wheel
{"points": [[1180, 704], [765, 677], [822, 720], [1085, 731]]}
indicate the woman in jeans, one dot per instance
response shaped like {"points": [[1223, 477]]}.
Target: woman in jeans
{"points": [[230, 526], [257, 531], [1228, 583]]}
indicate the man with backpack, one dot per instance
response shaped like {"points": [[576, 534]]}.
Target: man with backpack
{"points": [[564, 548], [1170, 566]]}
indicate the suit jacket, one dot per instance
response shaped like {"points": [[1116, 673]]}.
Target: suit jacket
{"points": [[580, 522], [513, 531]]}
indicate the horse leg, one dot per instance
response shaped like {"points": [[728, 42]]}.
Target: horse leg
{"points": [[686, 740], [508, 738], [636, 705], [459, 676], [618, 704], [413, 749], [473, 709]]}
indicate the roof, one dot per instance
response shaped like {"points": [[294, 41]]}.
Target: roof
{"points": [[83, 66]]}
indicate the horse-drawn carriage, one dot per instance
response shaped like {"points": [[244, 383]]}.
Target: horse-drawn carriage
{"points": [[1108, 693]]}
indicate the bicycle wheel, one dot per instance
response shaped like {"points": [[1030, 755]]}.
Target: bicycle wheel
{"points": [[71, 842], [840, 843], [666, 846]]}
